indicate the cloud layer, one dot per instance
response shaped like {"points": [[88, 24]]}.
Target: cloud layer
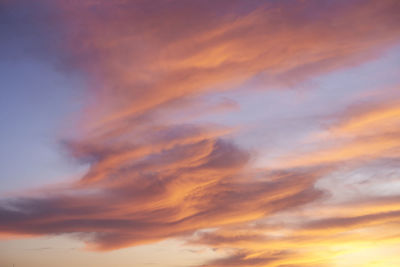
{"points": [[156, 171]]}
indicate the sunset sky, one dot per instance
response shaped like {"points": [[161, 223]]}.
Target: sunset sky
{"points": [[200, 133]]}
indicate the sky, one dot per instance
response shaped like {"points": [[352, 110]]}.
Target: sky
{"points": [[196, 133]]}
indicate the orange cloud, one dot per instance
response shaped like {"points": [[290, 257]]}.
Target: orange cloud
{"points": [[323, 242], [153, 174], [141, 61], [366, 132], [327, 232]]}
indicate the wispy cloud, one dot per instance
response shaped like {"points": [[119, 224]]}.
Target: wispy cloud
{"points": [[155, 172]]}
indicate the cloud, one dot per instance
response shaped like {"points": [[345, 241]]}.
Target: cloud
{"points": [[140, 57], [243, 259], [154, 199], [354, 222], [319, 235], [328, 229], [363, 132], [156, 173]]}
